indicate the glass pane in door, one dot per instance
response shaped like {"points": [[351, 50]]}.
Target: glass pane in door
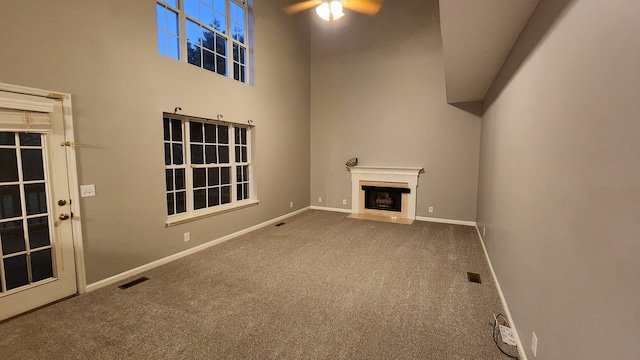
{"points": [[9, 201], [12, 235], [9, 168], [16, 272], [41, 266], [32, 164], [39, 232]]}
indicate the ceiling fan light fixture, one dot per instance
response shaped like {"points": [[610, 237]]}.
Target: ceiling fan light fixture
{"points": [[330, 11]]}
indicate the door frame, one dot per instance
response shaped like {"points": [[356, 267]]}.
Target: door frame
{"points": [[72, 173]]}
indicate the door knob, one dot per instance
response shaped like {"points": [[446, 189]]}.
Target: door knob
{"points": [[62, 202], [63, 216]]}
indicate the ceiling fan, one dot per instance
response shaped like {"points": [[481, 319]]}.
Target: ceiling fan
{"points": [[332, 9]]}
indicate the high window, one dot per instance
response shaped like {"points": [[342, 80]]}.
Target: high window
{"points": [[210, 34], [207, 166]]}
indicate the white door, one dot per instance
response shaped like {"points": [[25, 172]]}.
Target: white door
{"points": [[37, 263]]}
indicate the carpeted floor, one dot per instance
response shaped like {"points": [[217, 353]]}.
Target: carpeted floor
{"points": [[322, 286]]}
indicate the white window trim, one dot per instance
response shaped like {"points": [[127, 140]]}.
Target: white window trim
{"points": [[204, 213], [191, 214]]}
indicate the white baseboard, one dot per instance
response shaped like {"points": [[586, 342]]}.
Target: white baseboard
{"points": [[324, 208], [446, 221], [521, 352], [140, 269]]}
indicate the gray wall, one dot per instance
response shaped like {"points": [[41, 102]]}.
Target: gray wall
{"points": [[104, 53], [377, 92], [559, 189]]}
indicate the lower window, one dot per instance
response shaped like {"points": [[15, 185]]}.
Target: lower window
{"points": [[207, 166]]}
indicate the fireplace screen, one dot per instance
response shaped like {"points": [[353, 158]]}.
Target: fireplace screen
{"points": [[383, 198]]}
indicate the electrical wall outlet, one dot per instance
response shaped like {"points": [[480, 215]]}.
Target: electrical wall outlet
{"points": [[291, 204], [187, 236], [320, 199], [344, 201], [534, 344], [430, 209]]}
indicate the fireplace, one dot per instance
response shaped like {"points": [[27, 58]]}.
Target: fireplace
{"points": [[384, 193], [384, 198]]}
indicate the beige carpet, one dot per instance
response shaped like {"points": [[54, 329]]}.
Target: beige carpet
{"points": [[322, 286]]}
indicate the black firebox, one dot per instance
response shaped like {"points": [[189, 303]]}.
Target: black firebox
{"points": [[384, 198]]}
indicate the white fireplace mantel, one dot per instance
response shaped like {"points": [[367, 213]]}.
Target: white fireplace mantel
{"points": [[408, 175]]}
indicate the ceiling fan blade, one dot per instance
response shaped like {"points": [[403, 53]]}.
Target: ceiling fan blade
{"points": [[369, 7], [301, 6]]}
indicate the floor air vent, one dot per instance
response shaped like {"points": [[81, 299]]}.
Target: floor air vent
{"points": [[474, 278], [133, 282], [280, 224]]}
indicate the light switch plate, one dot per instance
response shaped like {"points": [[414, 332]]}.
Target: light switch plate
{"points": [[87, 190]]}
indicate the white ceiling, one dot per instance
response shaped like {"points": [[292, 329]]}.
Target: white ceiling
{"points": [[477, 36]]}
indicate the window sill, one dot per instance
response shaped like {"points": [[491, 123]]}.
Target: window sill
{"points": [[185, 218]]}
